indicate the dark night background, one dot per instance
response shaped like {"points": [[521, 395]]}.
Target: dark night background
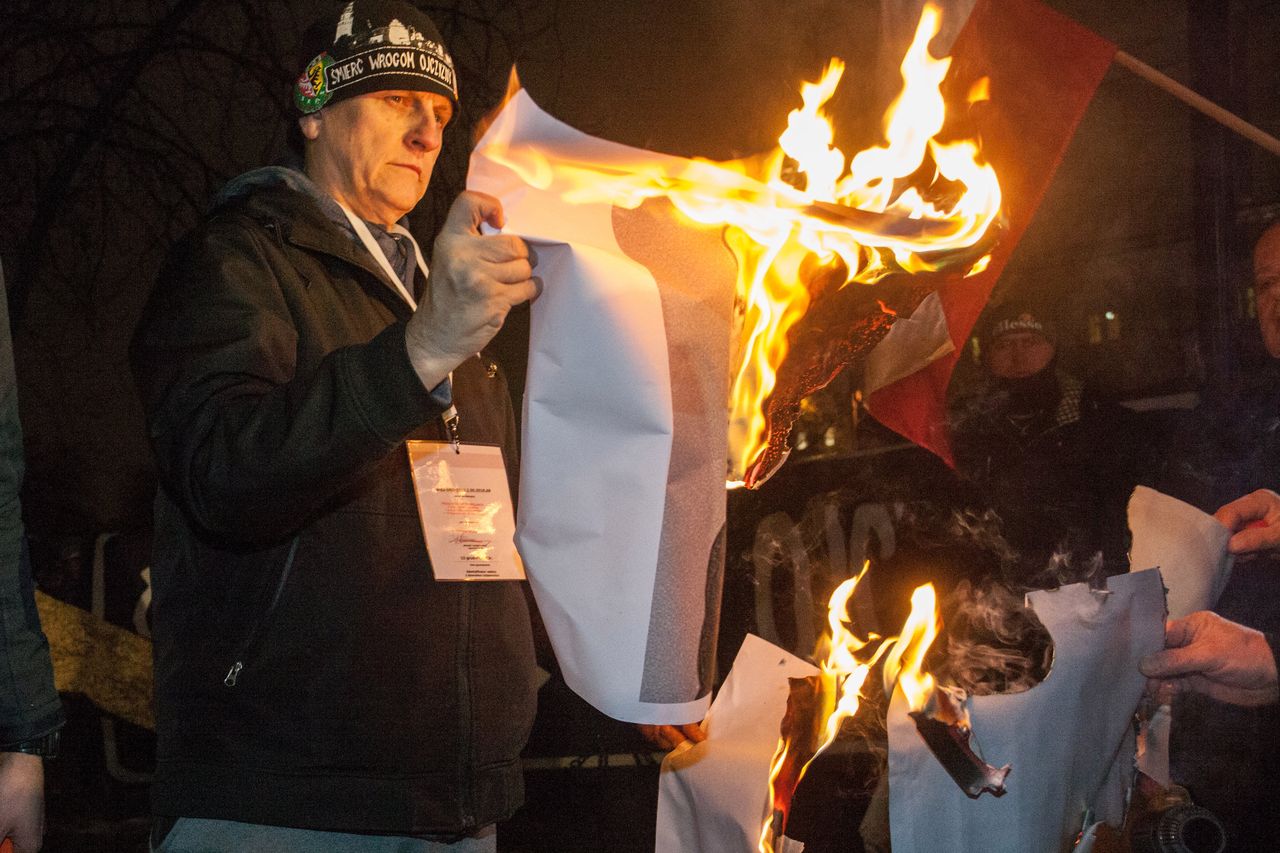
{"points": [[120, 118]]}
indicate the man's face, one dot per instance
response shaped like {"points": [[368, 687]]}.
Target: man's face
{"points": [[1016, 355], [375, 152], [1266, 286]]}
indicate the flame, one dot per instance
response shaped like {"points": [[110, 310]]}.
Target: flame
{"points": [[904, 665], [842, 674], [775, 299], [783, 235], [980, 90]]}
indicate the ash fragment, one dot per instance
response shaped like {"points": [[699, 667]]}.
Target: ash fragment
{"points": [[944, 727]]}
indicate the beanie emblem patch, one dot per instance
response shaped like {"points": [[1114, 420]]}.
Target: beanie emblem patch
{"points": [[312, 90]]}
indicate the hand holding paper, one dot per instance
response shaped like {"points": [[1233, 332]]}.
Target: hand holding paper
{"points": [[475, 280], [1254, 520], [1212, 655], [670, 737]]}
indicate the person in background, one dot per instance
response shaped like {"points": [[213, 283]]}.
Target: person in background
{"points": [[1230, 445], [1054, 461], [1226, 722], [31, 715], [1266, 287], [318, 688]]}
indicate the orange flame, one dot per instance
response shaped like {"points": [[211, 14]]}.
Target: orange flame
{"points": [[905, 663], [844, 670], [775, 231]]}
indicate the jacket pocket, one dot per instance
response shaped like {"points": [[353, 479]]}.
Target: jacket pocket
{"points": [[259, 625]]}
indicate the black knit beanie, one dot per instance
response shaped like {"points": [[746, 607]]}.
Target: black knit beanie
{"points": [[370, 46]]}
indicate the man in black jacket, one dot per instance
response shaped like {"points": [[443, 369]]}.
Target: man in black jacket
{"points": [[317, 688]]}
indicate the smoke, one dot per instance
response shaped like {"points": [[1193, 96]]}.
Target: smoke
{"points": [[982, 531], [1068, 567], [991, 641], [994, 643]]}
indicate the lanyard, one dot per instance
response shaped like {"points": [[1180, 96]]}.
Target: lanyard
{"points": [[371, 245], [450, 417]]}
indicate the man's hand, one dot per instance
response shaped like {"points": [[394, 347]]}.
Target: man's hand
{"points": [[475, 280], [1255, 521], [1212, 655], [669, 737], [22, 800]]}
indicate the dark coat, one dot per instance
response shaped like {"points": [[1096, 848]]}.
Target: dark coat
{"points": [[1057, 464], [1226, 754], [310, 672], [29, 706]]}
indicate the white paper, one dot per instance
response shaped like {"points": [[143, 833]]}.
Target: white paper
{"points": [[1190, 549], [622, 503], [1069, 739], [1153, 745], [714, 796], [1188, 546], [464, 503]]}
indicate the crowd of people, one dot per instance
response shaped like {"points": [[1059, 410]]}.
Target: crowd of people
{"points": [[292, 345]]}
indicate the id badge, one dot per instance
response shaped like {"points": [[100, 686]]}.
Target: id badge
{"points": [[464, 504]]}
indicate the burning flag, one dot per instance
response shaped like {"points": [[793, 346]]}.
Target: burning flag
{"points": [[711, 794], [1042, 71]]}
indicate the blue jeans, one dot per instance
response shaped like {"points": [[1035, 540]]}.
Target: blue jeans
{"points": [[202, 835]]}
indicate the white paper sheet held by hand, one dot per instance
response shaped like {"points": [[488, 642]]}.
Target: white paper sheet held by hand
{"points": [[1190, 549], [1188, 546], [1069, 739], [622, 499], [713, 797]]}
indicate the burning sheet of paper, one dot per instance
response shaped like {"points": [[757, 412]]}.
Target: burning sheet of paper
{"points": [[712, 796], [1068, 740], [621, 512]]}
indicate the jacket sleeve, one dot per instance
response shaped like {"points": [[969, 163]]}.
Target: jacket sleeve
{"points": [[29, 705], [245, 443]]}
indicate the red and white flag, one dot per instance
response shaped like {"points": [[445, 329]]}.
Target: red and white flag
{"points": [[1043, 69]]}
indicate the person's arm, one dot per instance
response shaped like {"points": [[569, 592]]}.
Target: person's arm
{"points": [[475, 281], [29, 706], [245, 444], [30, 711], [1254, 521], [1212, 655]]}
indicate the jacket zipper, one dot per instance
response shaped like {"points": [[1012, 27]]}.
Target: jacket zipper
{"points": [[466, 805], [464, 704], [261, 622]]}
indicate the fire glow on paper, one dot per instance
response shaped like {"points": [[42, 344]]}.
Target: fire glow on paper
{"points": [[911, 205]]}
